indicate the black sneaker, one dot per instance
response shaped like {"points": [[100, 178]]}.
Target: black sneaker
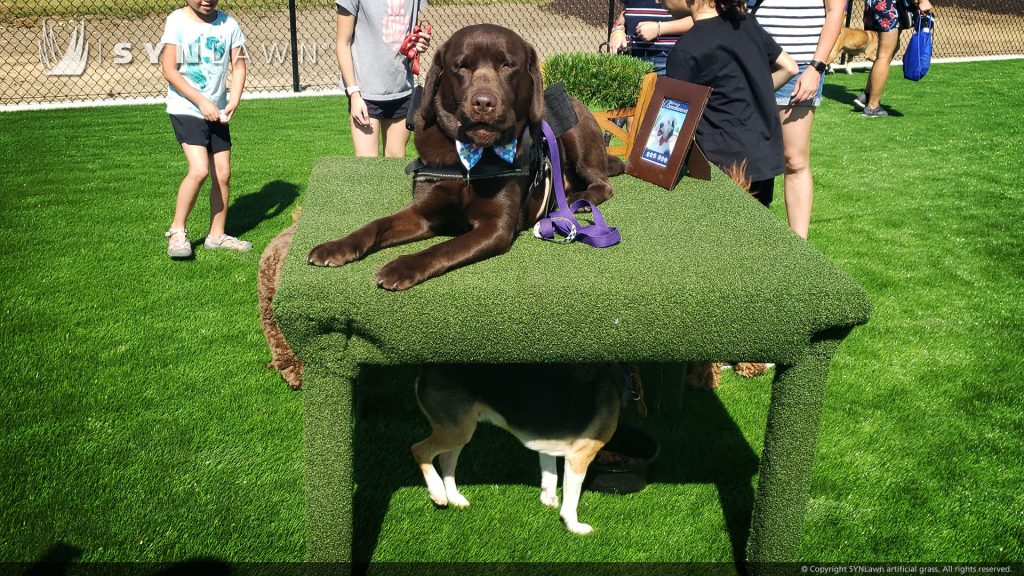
{"points": [[861, 101], [874, 112]]}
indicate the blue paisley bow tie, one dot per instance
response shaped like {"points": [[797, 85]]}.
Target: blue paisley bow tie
{"points": [[470, 154]]}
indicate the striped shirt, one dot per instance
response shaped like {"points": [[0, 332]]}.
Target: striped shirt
{"points": [[794, 24], [637, 11]]}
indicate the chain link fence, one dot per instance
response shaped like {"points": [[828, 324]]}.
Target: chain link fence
{"points": [[74, 50]]}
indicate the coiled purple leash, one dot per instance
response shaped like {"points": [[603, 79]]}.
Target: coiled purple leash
{"points": [[563, 219]]}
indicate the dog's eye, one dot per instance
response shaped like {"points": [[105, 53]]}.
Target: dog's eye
{"points": [[508, 66]]}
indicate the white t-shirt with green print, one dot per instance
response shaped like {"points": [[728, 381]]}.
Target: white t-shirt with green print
{"points": [[204, 56]]}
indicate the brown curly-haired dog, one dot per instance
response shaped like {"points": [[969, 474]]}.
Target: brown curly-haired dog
{"points": [[282, 358]]}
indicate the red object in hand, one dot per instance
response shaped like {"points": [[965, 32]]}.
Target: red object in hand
{"points": [[409, 45]]}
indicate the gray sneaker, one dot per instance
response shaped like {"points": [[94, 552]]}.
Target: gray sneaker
{"points": [[178, 246], [225, 242], [861, 101], [874, 112]]}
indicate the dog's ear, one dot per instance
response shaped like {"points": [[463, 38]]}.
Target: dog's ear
{"points": [[426, 115], [536, 113]]}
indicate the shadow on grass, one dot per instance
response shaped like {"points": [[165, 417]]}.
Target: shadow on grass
{"points": [[844, 96], [839, 94], [246, 213], [700, 444], [61, 559]]}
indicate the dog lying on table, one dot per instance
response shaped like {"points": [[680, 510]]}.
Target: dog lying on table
{"points": [[483, 102]]}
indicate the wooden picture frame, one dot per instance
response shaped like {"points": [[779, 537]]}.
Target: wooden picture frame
{"points": [[663, 150]]}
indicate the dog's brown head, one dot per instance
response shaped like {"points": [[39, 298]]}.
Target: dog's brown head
{"points": [[483, 87]]}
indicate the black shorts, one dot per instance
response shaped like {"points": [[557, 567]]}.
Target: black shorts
{"points": [[763, 190], [386, 109], [213, 136]]}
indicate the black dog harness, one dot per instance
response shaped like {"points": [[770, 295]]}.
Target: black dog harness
{"points": [[532, 160]]}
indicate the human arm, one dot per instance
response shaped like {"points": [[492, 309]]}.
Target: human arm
{"points": [[924, 6], [651, 31], [345, 29], [807, 84], [238, 69], [678, 8], [617, 40], [783, 68], [169, 67]]}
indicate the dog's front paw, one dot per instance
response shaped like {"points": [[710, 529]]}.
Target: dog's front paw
{"points": [[400, 274], [333, 253], [458, 500], [579, 527], [549, 498]]}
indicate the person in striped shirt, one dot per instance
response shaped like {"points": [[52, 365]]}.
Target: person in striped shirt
{"points": [[806, 30], [646, 30]]}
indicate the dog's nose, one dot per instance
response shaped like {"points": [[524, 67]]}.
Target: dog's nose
{"points": [[483, 103]]}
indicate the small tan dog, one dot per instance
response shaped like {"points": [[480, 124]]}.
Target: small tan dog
{"points": [[282, 358], [854, 42]]}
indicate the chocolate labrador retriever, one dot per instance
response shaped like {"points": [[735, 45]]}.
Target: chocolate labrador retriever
{"points": [[483, 90]]}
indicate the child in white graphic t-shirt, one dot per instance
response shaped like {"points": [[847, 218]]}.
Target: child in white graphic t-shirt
{"points": [[200, 46]]}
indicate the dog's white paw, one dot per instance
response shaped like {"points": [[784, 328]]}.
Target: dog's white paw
{"points": [[438, 496], [549, 499], [458, 500], [579, 527]]}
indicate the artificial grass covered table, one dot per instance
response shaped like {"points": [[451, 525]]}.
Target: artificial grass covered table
{"points": [[703, 273]]}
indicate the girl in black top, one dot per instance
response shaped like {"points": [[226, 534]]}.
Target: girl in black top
{"points": [[731, 53]]}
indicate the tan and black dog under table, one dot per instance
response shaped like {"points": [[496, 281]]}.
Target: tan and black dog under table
{"points": [[703, 273]]}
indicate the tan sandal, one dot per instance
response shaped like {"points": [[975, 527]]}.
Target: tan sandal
{"points": [[178, 246], [225, 242]]}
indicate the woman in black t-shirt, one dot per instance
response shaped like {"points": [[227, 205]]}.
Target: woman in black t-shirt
{"points": [[743, 65]]}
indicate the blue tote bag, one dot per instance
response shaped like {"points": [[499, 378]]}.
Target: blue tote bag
{"points": [[918, 56]]}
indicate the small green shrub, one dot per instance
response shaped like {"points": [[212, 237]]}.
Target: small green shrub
{"points": [[600, 81]]}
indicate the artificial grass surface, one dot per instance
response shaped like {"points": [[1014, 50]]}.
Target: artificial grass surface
{"points": [[142, 426], [652, 298]]}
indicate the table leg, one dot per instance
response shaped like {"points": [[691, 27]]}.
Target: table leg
{"points": [[787, 460]]}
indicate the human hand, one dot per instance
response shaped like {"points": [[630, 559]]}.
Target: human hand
{"points": [[649, 31], [209, 110], [925, 6], [617, 43], [360, 115], [423, 40], [228, 112], [806, 86]]}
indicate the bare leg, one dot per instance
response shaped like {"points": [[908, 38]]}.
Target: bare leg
{"points": [[396, 137], [198, 170], [888, 42], [365, 138], [799, 185], [220, 164]]}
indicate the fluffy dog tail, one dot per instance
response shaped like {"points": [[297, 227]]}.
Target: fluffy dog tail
{"points": [[615, 166], [738, 174]]}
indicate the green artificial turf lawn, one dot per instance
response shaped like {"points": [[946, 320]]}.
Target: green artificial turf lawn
{"points": [[142, 426]]}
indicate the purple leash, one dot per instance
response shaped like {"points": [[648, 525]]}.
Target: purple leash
{"points": [[563, 219]]}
